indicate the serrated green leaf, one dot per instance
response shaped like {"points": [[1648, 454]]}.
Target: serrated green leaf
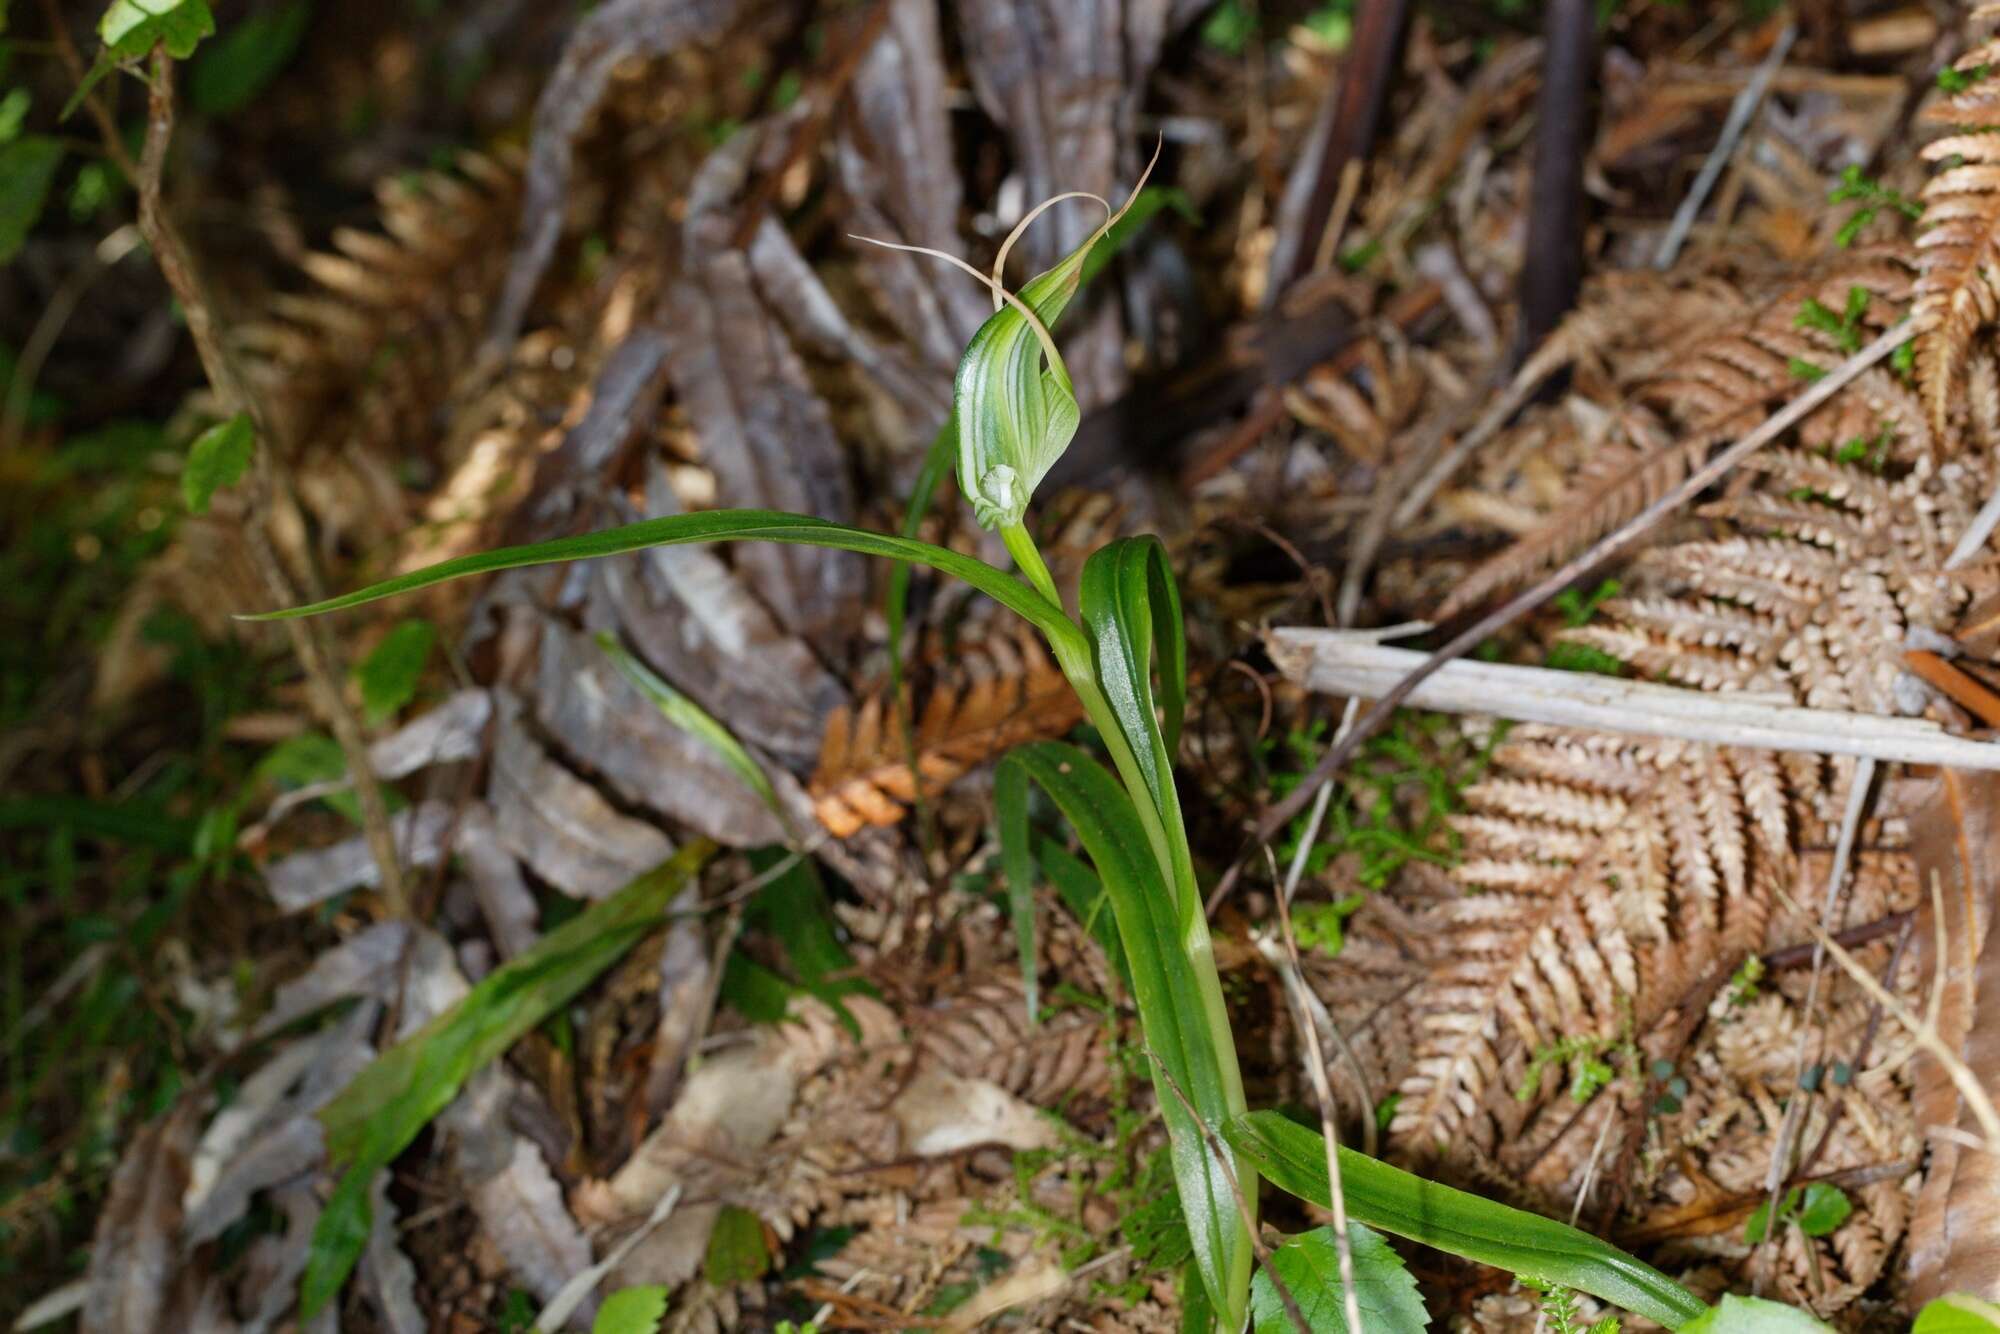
{"points": [[216, 460], [1309, 1263], [1753, 1315], [1958, 1313], [131, 28], [241, 63], [27, 169], [384, 1108], [1399, 1202], [1824, 1209], [389, 675], [736, 1249], [632, 1311]]}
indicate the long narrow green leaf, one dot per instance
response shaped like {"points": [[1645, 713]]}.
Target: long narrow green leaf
{"points": [[1396, 1201], [377, 1115], [1132, 608], [1017, 863], [1083, 892], [1192, 1064], [691, 718], [714, 526]]}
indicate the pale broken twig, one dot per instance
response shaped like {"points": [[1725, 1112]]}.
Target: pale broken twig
{"points": [[1333, 663]]}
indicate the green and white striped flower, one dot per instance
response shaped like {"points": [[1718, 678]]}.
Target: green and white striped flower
{"points": [[1015, 403]]}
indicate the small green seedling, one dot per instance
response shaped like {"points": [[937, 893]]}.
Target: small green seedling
{"points": [[1817, 1208]]}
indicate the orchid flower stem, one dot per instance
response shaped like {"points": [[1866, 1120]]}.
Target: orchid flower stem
{"points": [[1029, 557]]}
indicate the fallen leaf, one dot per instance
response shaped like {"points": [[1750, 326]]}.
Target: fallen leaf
{"points": [[558, 824], [1954, 1236]]}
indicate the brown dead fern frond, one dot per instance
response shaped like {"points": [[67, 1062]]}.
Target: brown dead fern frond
{"points": [[370, 354], [1957, 290], [1674, 402], [1012, 693]]}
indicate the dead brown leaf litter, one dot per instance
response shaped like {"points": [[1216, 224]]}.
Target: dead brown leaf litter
{"points": [[1551, 996]]}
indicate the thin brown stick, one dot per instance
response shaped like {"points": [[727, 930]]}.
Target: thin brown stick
{"points": [[1924, 1030], [1225, 1156], [1610, 545], [265, 491]]}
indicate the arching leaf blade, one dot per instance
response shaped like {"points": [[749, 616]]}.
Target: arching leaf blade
{"points": [[1393, 1200], [1191, 1064], [710, 526]]}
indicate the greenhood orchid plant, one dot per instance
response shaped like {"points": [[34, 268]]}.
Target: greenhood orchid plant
{"points": [[1014, 414]]}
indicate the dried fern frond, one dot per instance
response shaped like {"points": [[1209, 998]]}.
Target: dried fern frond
{"points": [[1010, 694], [1707, 386], [373, 352], [1957, 291]]}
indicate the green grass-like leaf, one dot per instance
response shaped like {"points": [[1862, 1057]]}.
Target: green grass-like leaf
{"points": [[376, 1116], [1396, 1201], [1169, 989], [691, 718], [1753, 1315], [716, 526]]}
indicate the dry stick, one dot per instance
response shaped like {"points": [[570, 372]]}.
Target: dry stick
{"points": [[1778, 1171], [1922, 1029], [1740, 113], [1612, 544], [1225, 1157], [1293, 875], [1295, 987], [1552, 272], [1861, 1052], [177, 267], [1344, 132], [106, 254]]}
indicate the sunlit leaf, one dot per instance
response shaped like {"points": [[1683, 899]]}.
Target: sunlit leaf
{"points": [[1824, 1209], [1395, 1201], [1309, 1263], [216, 460], [1958, 1313], [130, 30], [632, 1311]]}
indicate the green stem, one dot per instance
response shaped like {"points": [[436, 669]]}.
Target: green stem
{"points": [[1167, 837], [1029, 557]]}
